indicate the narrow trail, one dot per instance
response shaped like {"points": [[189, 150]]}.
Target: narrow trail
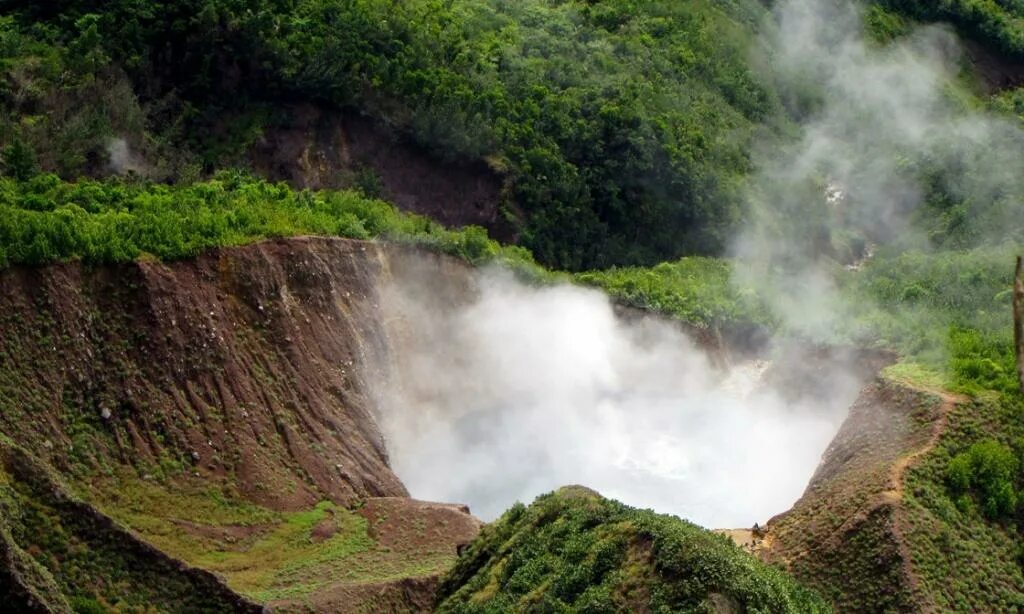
{"points": [[948, 403]]}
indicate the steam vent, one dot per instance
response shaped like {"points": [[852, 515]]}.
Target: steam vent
{"points": [[481, 306]]}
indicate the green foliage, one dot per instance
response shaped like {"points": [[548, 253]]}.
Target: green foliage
{"points": [[624, 127], [46, 220], [966, 551], [574, 551], [990, 470], [947, 310], [19, 160], [696, 290], [87, 605], [997, 23], [1009, 102], [884, 25]]}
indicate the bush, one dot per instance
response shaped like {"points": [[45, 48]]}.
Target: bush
{"points": [[46, 220], [989, 470]]}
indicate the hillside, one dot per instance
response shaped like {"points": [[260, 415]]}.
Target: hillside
{"points": [[574, 550], [218, 409], [580, 111], [241, 241]]}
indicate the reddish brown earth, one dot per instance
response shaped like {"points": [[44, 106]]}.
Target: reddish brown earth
{"points": [[407, 525], [314, 148], [409, 528], [249, 368], [845, 536], [243, 364]]}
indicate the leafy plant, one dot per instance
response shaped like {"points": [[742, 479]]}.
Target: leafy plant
{"points": [[989, 470]]}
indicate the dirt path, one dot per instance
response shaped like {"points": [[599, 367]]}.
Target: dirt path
{"points": [[948, 401]]}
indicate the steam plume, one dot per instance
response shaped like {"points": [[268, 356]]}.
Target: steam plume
{"points": [[510, 391], [522, 390], [879, 124]]}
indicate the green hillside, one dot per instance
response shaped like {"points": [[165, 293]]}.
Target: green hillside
{"points": [[624, 140], [575, 551], [624, 128]]}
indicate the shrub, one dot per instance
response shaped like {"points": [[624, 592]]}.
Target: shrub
{"points": [[988, 470]]}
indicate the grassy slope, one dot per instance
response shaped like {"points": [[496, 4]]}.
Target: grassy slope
{"points": [[963, 560], [75, 559], [573, 550], [260, 553]]}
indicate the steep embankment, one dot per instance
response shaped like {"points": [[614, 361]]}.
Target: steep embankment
{"points": [[220, 409], [846, 536], [238, 365]]}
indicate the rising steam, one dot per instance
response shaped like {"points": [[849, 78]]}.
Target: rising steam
{"points": [[881, 125], [504, 391], [522, 390]]}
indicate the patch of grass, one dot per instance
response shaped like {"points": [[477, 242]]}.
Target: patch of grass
{"points": [[696, 290], [917, 375], [263, 554]]}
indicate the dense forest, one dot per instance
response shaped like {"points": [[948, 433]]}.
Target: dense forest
{"points": [[624, 127]]}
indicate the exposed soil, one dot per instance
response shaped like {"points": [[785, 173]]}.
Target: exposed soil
{"points": [[244, 365], [845, 536], [407, 525], [248, 369], [405, 595], [997, 73], [312, 147]]}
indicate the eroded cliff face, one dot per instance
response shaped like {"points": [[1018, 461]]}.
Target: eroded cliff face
{"points": [[846, 534], [245, 364], [214, 408]]}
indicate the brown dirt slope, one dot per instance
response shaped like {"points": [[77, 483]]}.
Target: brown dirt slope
{"points": [[316, 148], [845, 536], [220, 409], [244, 364]]}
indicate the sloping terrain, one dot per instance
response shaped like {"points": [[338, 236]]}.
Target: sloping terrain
{"points": [[61, 554], [845, 536], [219, 410], [573, 550], [238, 365]]}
